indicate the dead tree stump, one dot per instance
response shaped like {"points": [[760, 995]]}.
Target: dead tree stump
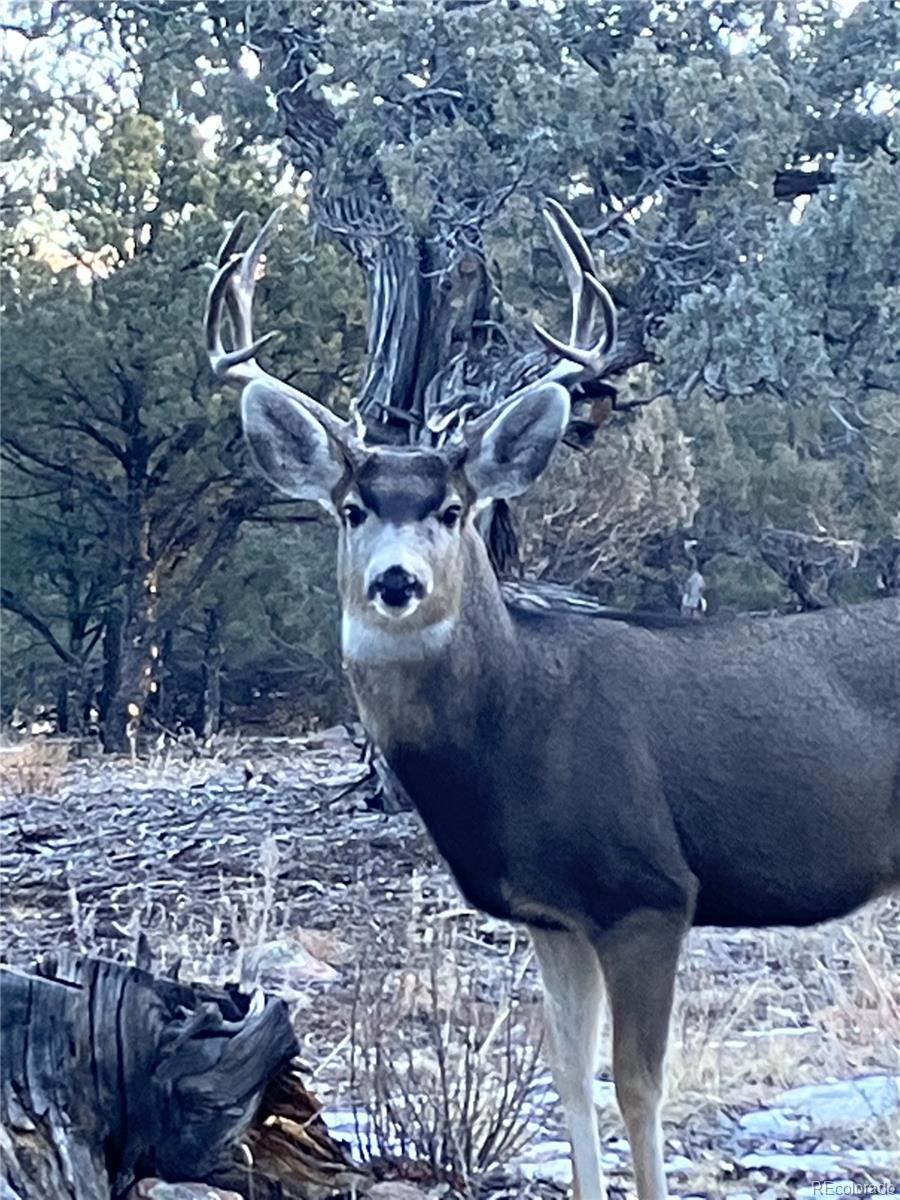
{"points": [[110, 1074]]}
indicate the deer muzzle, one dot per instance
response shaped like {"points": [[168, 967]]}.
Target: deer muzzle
{"points": [[396, 590]]}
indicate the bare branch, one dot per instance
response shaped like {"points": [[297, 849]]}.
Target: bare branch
{"points": [[13, 603]]}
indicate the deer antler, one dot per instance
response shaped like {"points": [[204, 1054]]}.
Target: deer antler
{"points": [[233, 289], [582, 359]]}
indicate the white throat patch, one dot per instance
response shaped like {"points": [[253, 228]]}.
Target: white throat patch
{"points": [[379, 645]]}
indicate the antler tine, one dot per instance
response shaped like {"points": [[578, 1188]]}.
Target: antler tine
{"points": [[224, 256], [222, 360], [610, 316], [590, 357], [218, 293], [233, 288], [258, 247], [588, 293], [231, 239], [578, 262], [239, 295], [573, 236], [572, 268]]}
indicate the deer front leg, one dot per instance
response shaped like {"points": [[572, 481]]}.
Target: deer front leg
{"points": [[573, 987], [639, 958]]}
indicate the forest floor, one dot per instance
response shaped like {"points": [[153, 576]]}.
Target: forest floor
{"points": [[419, 1019]]}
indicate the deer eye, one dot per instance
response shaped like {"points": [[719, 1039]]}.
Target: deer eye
{"points": [[353, 515], [450, 516]]}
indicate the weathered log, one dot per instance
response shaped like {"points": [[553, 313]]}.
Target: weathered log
{"points": [[293, 1155], [110, 1074]]}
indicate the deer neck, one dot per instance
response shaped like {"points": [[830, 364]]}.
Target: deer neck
{"points": [[428, 689]]}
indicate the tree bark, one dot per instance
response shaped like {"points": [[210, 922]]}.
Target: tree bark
{"points": [[437, 345], [211, 701], [165, 700], [129, 665], [110, 1075], [112, 653], [62, 702]]}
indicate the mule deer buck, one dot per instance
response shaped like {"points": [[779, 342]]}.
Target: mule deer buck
{"points": [[606, 783]]}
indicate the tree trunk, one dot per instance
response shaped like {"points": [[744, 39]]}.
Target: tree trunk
{"points": [[112, 653], [110, 1075], [127, 692], [165, 699], [62, 702], [132, 671], [437, 347], [214, 654], [124, 703], [887, 555], [127, 703], [71, 696]]}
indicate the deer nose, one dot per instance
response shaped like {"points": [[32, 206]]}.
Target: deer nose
{"points": [[395, 587]]}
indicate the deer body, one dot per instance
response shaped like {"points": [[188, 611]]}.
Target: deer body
{"points": [[607, 784], [740, 774], [733, 809]]}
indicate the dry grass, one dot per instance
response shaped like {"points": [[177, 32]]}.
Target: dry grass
{"points": [[432, 1024], [756, 1013], [33, 767], [444, 1074], [796, 1007]]}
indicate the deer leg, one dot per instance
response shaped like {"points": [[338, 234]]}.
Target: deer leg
{"points": [[639, 958], [573, 987]]}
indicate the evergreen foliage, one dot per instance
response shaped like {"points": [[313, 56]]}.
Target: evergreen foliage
{"points": [[735, 166]]}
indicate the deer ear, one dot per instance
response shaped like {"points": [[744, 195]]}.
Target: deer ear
{"points": [[290, 446], [509, 450]]}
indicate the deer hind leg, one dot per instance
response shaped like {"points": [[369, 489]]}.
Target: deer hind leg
{"points": [[573, 987], [639, 958]]}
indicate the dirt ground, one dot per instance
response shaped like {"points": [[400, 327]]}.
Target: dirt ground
{"points": [[419, 1018]]}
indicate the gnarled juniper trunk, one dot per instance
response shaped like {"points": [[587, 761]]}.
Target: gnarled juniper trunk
{"points": [[429, 309], [109, 1073], [441, 346], [429, 352]]}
